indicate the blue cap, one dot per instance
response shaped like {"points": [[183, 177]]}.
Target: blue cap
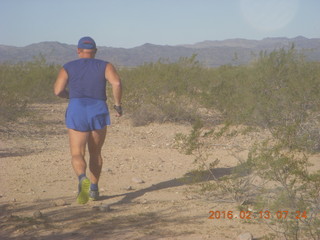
{"points": [[87, 43]]}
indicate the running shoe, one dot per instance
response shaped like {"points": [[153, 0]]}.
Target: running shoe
{"points": [[83, 191], [93, 195]]}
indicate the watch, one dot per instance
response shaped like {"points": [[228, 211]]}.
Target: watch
{"points": [[118, 109]]}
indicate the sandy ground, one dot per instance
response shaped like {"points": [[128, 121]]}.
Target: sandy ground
{"points": [[38, 186]]}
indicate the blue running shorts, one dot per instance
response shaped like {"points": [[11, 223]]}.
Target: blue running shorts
{"points": [[87, 114]]}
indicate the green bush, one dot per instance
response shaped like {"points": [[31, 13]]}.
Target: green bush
{"points": [[288, 186], [158, 92], [279, 92], [278, 88], [22, 84]]}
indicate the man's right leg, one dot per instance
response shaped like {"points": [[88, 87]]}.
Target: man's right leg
{"points": [[78, 141]]}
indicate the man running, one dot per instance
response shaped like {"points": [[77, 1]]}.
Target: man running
{"points": [[83, 81]]}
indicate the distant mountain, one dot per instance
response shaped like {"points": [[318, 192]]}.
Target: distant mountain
{"points": [[209, 53]]}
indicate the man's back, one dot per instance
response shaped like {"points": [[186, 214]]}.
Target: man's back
{"points": [[86, 78]]}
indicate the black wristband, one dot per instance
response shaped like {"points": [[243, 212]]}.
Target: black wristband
{"points": [[118, 109]]}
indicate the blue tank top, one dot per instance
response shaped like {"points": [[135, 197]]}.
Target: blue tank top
{"points": [[86, 78]]}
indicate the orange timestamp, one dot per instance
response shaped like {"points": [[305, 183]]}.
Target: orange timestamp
{"points": [[266, 214]]}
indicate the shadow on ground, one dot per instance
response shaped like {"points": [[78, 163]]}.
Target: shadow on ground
{"points": [[84, 223], [191, 177], [15, 152]]}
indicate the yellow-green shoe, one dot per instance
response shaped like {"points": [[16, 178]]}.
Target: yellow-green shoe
{"points": [[83, 194]]}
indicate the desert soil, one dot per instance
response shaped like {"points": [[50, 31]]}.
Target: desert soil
{"points": [[38, 185]]}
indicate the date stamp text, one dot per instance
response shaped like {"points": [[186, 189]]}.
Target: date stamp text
{"points": [[266, 214]]}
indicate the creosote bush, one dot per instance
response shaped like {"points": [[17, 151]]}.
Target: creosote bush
{"points": [[22, 84], [278, 92], [162, 91]]}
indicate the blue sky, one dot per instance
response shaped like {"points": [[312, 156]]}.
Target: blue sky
{"points": [[131, 23]]}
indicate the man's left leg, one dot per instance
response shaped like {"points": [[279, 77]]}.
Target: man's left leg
{"points": [[78, 142]]}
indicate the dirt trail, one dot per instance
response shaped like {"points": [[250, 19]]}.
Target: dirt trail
{"points": [[38, 186]]}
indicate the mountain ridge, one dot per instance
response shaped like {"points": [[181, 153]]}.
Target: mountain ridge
{"points": [[211, 53]]}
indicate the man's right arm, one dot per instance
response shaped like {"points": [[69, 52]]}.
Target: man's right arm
{"points": [[61, 84]]}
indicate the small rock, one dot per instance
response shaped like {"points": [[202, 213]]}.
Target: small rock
{"points": [[246, 202], [37, 214], [245, 236], [153, 187], [96, 208], [105, 208], [102, 208], [137, 180], [129, 188], [59, 203]]}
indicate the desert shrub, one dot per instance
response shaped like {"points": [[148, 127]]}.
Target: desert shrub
{"points": [[168, 89], [278, 88], [22, 84], [274, 179], [288, 187], [146, 114], [278, 92], [228, 91], [236, 186]]}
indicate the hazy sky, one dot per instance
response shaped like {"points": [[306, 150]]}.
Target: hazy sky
{"points": [[130, 23]]}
